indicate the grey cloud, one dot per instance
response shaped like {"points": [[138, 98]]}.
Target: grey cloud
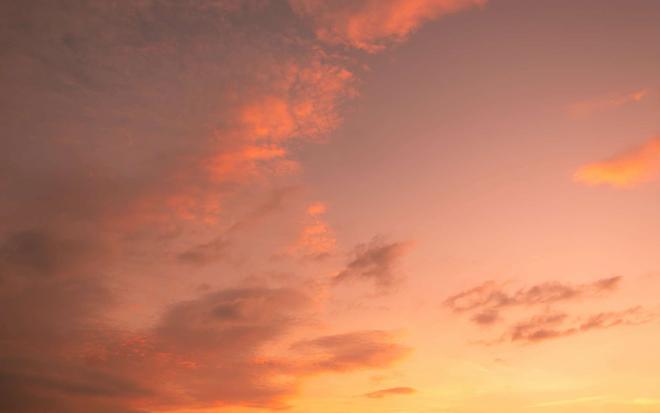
{"points": [[376, 261], [351, 351], [554, 325], [489, 298]]}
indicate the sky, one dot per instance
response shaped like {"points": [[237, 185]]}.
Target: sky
{"points": [[364, 206]]}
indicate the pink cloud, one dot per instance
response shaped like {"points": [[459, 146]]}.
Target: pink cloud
{"points": [[373, 24]]}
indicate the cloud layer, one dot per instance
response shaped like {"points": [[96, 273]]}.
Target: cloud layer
{"points": [[144, 143]]}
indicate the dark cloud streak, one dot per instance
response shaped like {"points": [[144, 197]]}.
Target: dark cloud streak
{"points": [[376, 261], [489, 298]]}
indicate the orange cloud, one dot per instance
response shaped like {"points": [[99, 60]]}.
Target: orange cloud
{"points": [[626, 170], [372, 24], [589, 107], [303, 103], [393, 391], [315, 209], [316, 239], [246, 161], [269, 117]]}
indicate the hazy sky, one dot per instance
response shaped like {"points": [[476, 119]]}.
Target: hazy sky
{"points": [[330, 206]]}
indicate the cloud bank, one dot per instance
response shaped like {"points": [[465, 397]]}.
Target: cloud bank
{"points": [[137, 135]]}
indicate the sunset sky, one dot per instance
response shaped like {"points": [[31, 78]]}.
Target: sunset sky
{"points": [[330, 206]]}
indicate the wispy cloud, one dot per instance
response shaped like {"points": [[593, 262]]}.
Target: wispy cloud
{"points": [[488, 299], [625, 170], [591, 106], [554, 325], [392, 391], [486, 303]]}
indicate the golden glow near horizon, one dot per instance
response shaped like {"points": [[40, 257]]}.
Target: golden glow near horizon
{"points": [[362, 206]]}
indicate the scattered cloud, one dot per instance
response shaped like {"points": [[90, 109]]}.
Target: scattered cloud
{"points": [[486, 302], [375, 261], [488, 299], [554, 325], [540, 327], [486, 317], [631, 316], [625, 170], [371, 25], [392, 391]]}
